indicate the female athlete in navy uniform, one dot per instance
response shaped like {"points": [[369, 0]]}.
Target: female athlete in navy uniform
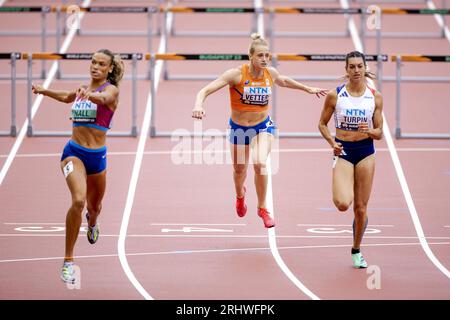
{"points": [[250, 87], [357, 111], [83, 161]]}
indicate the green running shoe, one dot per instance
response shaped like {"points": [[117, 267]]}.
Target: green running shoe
{"points": [[92, 232], [67, 273], [358, 261]]}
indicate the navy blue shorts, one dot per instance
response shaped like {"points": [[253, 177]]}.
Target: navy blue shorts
{"points": [[244, 135], [94, 160], [355, 151]]}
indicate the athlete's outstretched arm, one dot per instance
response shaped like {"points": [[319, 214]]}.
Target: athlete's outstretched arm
{"points": [[60, 95], [325, 116], [377, 131], [107, 97], [229, 77], [287, 82]]}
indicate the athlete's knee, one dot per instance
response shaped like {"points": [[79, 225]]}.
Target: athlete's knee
{"points": [[341, 205], [360, 210], [94, 209], [78, 203], [260, 168], [240, 169]]}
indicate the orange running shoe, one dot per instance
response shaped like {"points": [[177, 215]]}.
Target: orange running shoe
{"points": [[241, 207], [264, 214]]}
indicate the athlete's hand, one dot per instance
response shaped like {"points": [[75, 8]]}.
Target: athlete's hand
{"points": [[319, 92], [363, 127], [198, 113], [81, 92], [337, 148], [37, 89]]}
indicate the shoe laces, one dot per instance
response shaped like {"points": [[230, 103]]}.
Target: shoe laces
{"points": [[67, 268], [263, 213]]}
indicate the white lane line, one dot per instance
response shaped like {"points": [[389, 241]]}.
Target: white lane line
{"points": [[399, 169], [342, 225], [269, 203], [439, 19], [34, 223], [198, 224], [212, 236], [38, 100], [224, 151], [215, 251], [137, 168], [352, 27]]}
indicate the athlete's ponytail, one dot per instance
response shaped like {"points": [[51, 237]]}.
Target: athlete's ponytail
{"points": [[118, 67], [257, 40]]}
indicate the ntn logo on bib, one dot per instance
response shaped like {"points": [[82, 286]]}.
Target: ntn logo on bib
{"points": [[84, 111]]}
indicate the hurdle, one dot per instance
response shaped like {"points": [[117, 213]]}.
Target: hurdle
{"points": [[134, 57], [148, 33], [399, 79], [244, 57], [363, 12], [319, 11], [61, 28], [181, 57], [315, 57], [216, 10], [405, 11], [13, 57], [43, 33]]}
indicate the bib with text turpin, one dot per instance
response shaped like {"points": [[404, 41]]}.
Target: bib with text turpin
{"points": [[350, 111]]}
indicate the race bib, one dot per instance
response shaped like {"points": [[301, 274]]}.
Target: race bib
{"points": [[348, 119], [84, 111], [257, 95]]}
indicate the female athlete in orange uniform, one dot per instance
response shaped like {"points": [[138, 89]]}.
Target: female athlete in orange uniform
{"points": [[250, 88]]}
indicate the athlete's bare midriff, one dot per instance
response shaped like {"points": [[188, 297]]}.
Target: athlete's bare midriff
{"points": [[248, 118], [89, 137], [347, 135]]}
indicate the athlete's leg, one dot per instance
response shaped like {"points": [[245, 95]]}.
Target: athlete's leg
{"points": [[343, 180], [364, 172], [240, 155], [96, 186], [76, 181], [261, 146]]}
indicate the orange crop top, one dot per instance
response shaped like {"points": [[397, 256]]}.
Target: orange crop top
{"points": [[251, 94]]}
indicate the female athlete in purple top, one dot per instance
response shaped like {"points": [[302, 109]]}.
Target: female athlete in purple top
{"points": [[83, 161], [89, 114]]}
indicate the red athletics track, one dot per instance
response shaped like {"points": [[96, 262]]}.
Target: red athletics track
{"points": [[234, 260]]}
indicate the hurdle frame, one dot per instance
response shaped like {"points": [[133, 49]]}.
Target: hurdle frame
{"points": [[14, 56], [273, 11], [379, 58], [32, 132], [43, 33], [153, 132], [399, 59], [218, 10], [243, 57], [149, 33]]}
